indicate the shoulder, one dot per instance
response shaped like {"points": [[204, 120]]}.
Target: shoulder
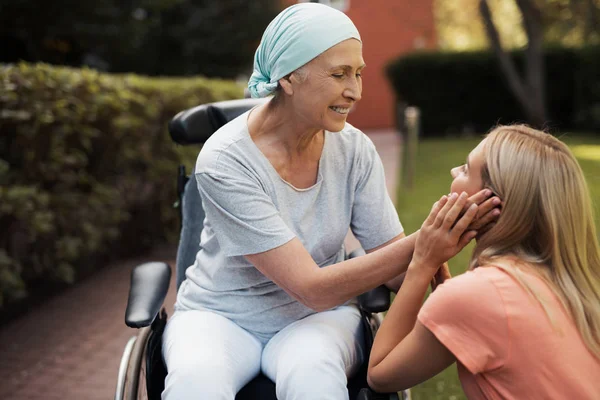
{"points": [[224, 146], [352, 136], [352, 145], [478, 280], [475, 290], [468, 316]]}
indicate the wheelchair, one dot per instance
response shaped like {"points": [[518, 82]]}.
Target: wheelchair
{"points": [[142, 372]]}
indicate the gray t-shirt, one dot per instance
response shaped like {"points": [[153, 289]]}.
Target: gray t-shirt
{"points": [[251, 209]]}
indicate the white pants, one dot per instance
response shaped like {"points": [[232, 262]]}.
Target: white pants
{"points": [[210, 357]]}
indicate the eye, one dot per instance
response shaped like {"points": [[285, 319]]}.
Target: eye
{"points": [[359, 75], [338, 76]]}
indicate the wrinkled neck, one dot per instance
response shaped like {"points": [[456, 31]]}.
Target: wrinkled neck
{"points": [[277, 123]]}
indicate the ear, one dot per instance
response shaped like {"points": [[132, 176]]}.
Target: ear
{"points": [[286, 85]]}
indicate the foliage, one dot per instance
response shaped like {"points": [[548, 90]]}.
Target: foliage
{"points": [[154, 37], [86, 167], [571, 22], [466, 91], [459, 25], [566, 22], [435, 159]]}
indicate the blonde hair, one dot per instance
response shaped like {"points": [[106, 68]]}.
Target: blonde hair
{"points": [[547, 220]]}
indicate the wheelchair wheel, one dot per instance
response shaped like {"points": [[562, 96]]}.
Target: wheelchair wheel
{"points": [[135, 378]]}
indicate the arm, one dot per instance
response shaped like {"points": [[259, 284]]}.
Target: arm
{"points": [[291, 267], [394, 283], [405, 352]]}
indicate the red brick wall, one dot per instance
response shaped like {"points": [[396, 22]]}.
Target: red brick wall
{"points": [[388, 28]]}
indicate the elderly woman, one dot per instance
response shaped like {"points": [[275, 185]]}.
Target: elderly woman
{"points": [[281, 185]]}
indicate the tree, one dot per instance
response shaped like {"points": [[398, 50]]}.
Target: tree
{"points": [[502, 25], [529, 89], [154, 37], [565, 22], [459, 25], [217, 38], [571, 22]]}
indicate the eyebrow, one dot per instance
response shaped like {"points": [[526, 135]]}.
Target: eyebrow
{"points": [[349, 67]]}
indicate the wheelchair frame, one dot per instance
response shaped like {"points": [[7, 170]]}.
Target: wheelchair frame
{"points": [[141, 370]]}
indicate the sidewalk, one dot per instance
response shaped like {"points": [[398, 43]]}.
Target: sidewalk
{"points": [[70, 347]]}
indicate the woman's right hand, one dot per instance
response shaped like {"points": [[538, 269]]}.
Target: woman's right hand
{"points": [[445, 232]]}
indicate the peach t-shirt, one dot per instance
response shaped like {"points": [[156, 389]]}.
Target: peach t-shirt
{"points": [[505, 345]]}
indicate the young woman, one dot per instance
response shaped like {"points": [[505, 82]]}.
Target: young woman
{"points": [[524, 321]]}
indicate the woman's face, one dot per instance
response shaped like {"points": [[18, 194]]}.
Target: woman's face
{"points": [[332, 86], [467, 177]]}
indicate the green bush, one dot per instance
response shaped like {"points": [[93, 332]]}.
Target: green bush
{"points": [[87, 169], [467, 91], [587, 90]]}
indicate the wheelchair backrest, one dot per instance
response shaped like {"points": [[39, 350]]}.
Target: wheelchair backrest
{"points": [[195, 126]]}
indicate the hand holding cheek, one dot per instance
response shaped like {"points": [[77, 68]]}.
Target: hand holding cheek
{"points": [[487, 215], [444, 233], [488, 210]]}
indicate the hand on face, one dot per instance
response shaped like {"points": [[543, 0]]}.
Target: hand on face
{"points": [[488, 211], [445, 232]]}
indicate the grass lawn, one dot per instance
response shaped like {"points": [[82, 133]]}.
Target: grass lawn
{"points": [[432, 179]]}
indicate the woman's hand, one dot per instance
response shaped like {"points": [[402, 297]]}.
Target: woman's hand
{"points": [[488, 211], [445, 232]]}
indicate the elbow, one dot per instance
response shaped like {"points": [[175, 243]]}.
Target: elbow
{"points": [[370, 382], [380, 385], [316, 302], [320, 300], [315, 297], [374, 384]]}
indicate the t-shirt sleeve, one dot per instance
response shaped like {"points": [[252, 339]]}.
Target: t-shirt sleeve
{"points": [[467, 315], [241, 214], [374, 217]]}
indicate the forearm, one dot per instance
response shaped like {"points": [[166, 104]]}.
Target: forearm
{"points": [[395, 283], [337, 283], [402, 316]]}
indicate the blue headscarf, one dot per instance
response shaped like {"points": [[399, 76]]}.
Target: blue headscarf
{"points": [[297, 35]]}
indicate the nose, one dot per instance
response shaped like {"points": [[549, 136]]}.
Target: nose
{"points": [[354, 89], [454, 172]]}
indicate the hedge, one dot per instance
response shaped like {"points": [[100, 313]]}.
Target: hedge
{"points": [[87, 169], [467, 91]]}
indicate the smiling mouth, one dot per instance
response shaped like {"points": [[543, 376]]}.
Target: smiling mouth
{"points": [[340, 110]]}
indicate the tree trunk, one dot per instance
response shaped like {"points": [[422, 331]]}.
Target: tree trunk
{"points": [[591, 21], [529, 90]]}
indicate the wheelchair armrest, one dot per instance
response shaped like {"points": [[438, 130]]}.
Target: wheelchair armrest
{"points": [[149, 286], [375, 300]]}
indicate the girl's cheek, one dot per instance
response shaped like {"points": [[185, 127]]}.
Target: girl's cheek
{"points": [[454, 186]]}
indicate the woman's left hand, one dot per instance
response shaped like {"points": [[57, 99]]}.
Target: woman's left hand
{"points": [[444, 233]]}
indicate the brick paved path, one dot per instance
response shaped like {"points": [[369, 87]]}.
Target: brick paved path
{"points": [[70, 347]]}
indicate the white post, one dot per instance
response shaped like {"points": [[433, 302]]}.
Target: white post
{"points": [[412, 121]]}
